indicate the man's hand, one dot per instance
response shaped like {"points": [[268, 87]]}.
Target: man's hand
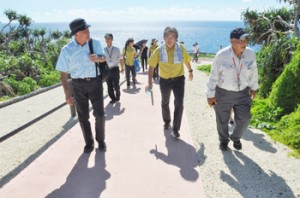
{"points": [[191, 76], [149, 87], [211, 101], [69, 100], [95, 58], [252, 94]]}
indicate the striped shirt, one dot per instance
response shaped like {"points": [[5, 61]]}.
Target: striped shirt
{"points": [[74, 59]]}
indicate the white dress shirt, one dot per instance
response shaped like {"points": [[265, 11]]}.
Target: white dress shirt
{"points": [[113, 56], [231, 73]]}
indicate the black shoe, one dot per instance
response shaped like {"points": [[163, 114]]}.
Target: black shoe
{"points": [[118, 98], [237, 145], [112, 101], [102, 147], [175, 134], [167, 126], [223, 146], [88, 148]]}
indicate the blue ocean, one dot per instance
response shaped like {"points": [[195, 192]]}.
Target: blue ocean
{"points": [[210, 35]]}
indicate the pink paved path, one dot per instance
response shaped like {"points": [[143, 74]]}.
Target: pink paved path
{"points": [[142, 160]]}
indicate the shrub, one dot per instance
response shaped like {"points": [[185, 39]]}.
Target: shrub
{"points": [[288, 130], [51, 78], [204, 68], [23, 88], [12, 82], [286, 90], [32, 83], [263, 115], [271, 61]]}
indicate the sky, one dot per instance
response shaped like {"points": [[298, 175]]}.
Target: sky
{"points": [[134, 10]]}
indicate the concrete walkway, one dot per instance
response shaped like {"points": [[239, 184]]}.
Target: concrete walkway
{"points": [[142, 159]]}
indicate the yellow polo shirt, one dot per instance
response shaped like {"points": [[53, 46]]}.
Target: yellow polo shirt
{"points": [[152, 48], [130, 53], [169, 69]]}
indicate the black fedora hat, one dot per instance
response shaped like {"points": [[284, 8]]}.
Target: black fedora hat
{"points": [[77, 25]]}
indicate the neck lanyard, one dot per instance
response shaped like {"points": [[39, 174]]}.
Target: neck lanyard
{"points": [[238, 70], [112, 49]]}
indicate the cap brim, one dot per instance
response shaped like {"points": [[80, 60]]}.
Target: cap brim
{"points": [[244, 35]]}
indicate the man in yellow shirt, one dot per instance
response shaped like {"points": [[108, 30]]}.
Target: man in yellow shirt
{"points": [[170, 57]]}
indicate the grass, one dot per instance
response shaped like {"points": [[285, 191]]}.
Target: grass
{"points": [[205, 68], [5, 98], [204, 56]]}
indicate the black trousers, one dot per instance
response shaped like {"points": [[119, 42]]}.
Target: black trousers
{"points": [[113, 83], [144, 61], [85, 90], [177, 86], [128, 70]]}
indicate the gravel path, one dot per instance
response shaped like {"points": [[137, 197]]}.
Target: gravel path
{"points": [[261, 169]]}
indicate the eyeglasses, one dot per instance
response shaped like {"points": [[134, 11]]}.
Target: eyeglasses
{"points": [[243, 40], [170, 37]]}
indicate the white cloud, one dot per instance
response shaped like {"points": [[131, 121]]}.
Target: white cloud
{"points": [[138, 13]]}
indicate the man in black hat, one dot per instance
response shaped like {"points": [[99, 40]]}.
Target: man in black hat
{"points": [[113, 58], [232, 84], [77, 60]]}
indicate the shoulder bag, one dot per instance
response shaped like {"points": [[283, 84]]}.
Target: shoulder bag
{"points": [[103, 67]]}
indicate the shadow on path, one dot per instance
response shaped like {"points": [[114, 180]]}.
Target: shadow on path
{"points": [[66, 127], [84, 181], [112, 110], [258, 140], [200, 155], [180, 154], [132, 90], [250, 180]]}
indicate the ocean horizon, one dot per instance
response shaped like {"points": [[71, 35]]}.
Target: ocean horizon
{"points": [[210, 35]]}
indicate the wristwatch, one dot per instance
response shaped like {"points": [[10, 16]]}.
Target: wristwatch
{"points": [[191, 70]]}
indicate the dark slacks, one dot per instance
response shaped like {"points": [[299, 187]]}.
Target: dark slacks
{"points": [[177, 86], [85, 90], [113, 83], [128, 70], [240, 102], [144, 61]]}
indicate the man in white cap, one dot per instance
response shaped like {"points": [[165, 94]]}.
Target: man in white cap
{"points": [[232, 84], [77, 60]]}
